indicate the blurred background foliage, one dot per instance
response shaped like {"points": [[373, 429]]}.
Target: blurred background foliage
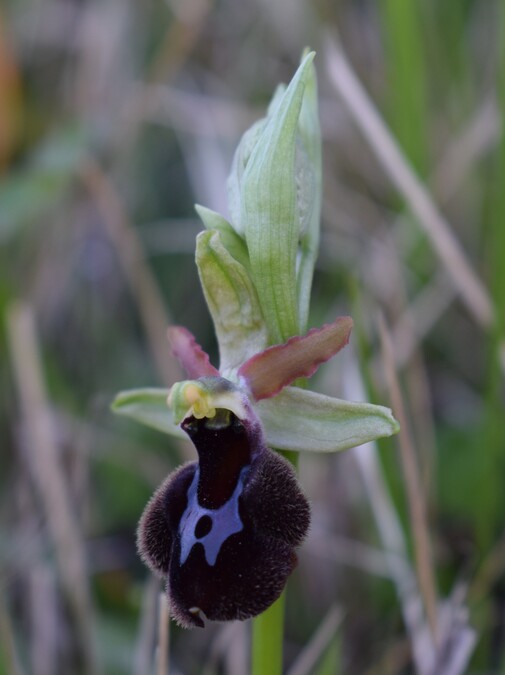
{"points": [[115, 118]]}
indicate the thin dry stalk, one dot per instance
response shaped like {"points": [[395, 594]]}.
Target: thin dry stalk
{"points": [[418, 389], [220, 646], [189, 20], [480, 135], [418, 319], [355, 554], [236, 659], [48, 476], [310, 655], [45, 624], [143, 286], [417, 507], [163, 636], [387, 151], [457, 638], [147, 628], [415, 372], [391, 535], [419, 395]]}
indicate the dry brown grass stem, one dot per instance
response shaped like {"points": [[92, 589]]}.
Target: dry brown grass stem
{"points": [[417, 506], [180, 38], [143, 656], [419, 318], [480, 135], [229, 647], [355, 554], [162, 656], [45, 623], [391, 534], [416, 380], [237, 658], [143, 286], [387, 151], [313, 651], [48, 476]]}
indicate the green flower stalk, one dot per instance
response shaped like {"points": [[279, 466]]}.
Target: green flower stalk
{"points": [[223, 531]]}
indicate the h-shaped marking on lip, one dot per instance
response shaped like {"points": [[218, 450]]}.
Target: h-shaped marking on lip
{"points": [[225, 521]]}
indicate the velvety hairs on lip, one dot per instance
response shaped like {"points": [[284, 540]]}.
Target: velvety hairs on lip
{"points": [[223, 530]]}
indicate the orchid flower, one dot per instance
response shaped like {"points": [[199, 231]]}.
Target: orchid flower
{"points": [[224, 530]]}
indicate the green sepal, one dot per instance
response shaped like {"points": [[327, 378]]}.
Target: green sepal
{"points": [[241, 158], [308, 173], [302, 420], [232, 241], [149, 407], [297, 420], [231, 298], [272, 207]]}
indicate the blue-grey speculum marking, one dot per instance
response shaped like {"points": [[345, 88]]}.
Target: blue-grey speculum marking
{"points": [[225, 521]]}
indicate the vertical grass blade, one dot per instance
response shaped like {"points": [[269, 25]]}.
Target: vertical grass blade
{"points": [[405, 66], [491, 493]]}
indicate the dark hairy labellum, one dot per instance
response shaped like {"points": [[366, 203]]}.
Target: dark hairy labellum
{"points": [[223, 530]]}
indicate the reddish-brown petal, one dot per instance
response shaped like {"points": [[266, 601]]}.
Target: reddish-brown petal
{"points": [[188, 352], [273, 369]]}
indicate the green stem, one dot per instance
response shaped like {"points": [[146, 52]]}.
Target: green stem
{"points": [[268, 628], [267, 640]]}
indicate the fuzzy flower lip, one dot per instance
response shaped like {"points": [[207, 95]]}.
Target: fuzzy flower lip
{"points": [[223, 531]]}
